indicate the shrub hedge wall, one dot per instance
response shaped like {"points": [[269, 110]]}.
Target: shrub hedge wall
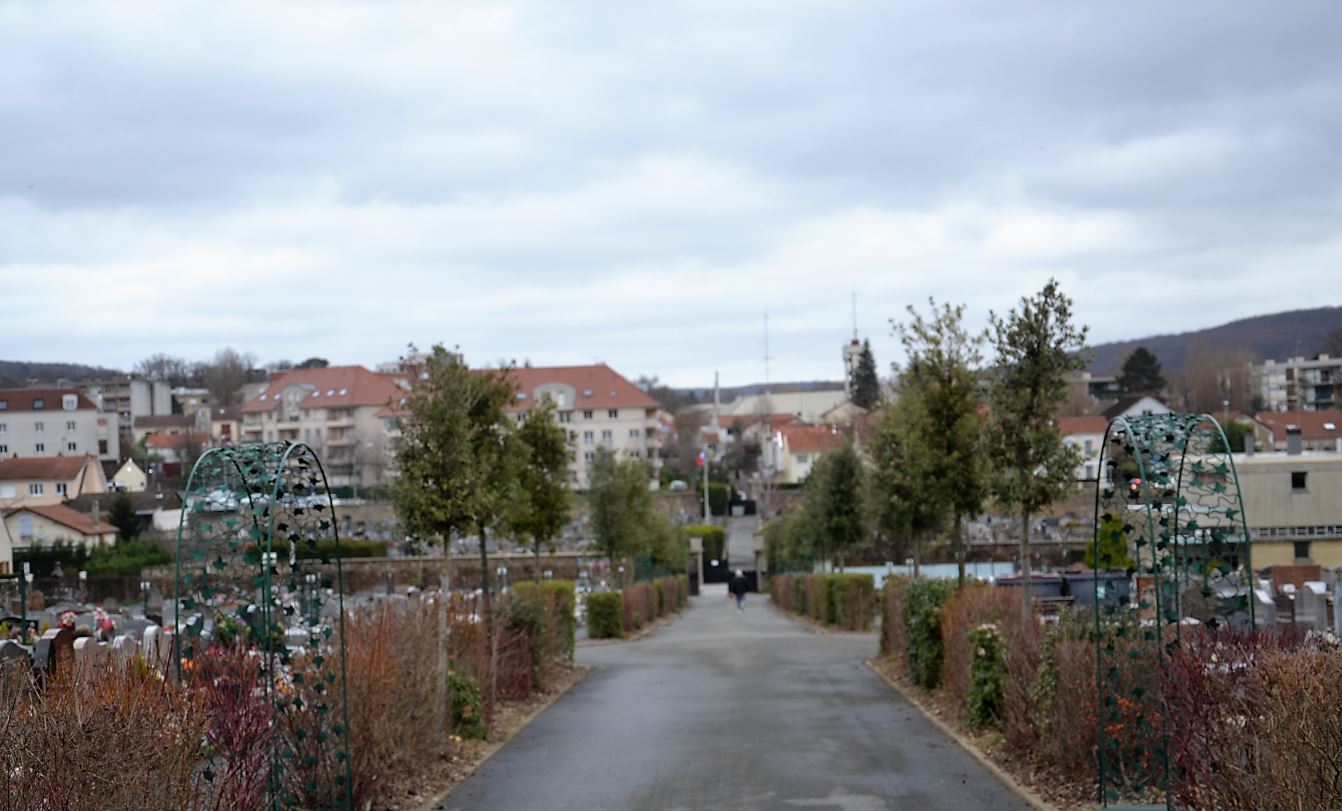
{"points": [[605, 615], [843, 600]]}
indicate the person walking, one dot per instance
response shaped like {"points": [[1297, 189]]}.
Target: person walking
{"points": [[738, 589]]}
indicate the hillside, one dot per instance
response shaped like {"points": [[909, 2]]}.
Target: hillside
{"points": [[731, 393], [1277, 336], [17, 373]]}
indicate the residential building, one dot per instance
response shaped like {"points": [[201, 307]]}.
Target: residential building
{"points": [[128, 478], [341, 412], [190, 400], [807, 406], [224, 425], [55, 422], [1135, 405], [129, 398], [1299, 383], [796, 447], [6, 548], [599, 408], [1086, 434], [1097, 387], [44, 524], [1292, 507], [1318, 430], [162, 424], [49, 479]]}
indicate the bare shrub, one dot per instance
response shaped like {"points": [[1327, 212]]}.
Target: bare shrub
{"points": [[967, 609]]}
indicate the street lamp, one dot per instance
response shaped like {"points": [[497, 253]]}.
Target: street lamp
{"points": [[145, 585], [502, 573], [83, 586]]}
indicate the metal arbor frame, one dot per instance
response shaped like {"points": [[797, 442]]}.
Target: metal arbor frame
{"points": [[250, 566], [1168, 512]]}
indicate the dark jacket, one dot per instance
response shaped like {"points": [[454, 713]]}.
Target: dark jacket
{"points": [[738, 585]]}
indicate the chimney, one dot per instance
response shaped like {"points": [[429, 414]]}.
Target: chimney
{"points": [[1293, 440], [97, 513], [1248, 444]]}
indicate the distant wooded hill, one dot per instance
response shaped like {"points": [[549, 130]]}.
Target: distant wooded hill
{"points": [[1277, 336], [19, 373], [730, 393]]}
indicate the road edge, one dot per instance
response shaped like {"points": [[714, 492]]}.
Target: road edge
{"points": [[493, 748], [1031, 797]]}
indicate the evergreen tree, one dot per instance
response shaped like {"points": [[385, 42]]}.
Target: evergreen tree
{"points": [[621, 505], [456, 457], [832, 505], [1037, 347], [1141, 373], [122, 516], [942, 383], [864, 385], [541, 502]]}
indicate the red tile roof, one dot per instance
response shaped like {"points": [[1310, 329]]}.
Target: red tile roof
{"points": [[174, 440], [66, 517], [44, 468], [22, 399], [1070, 426], [812, 438], [1313, 424], [595, 387], [333, 387], [165, 421]]}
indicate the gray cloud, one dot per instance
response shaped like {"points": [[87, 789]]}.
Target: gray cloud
{"points": [[640, 182]]}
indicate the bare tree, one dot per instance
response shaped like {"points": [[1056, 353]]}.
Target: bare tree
{"points": [[160, 366], [1214, 376], [226, 374]]}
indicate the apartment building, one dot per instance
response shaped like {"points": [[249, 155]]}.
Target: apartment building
{"points": [[1086, 434], [129, 398], [49, 479], [599, 408], [56, 422], [341, 412], [1292, 507], [1300, 384]]}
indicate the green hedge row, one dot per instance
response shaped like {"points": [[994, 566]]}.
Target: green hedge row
{"points": [[923, 602], [843, 600], [605, 615]]}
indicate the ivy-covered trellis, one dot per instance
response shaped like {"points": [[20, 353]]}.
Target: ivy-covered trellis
{"points": [[1168, 513], [258, 570]]}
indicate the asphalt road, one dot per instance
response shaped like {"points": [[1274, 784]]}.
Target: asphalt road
{"points": [[724, 710]]}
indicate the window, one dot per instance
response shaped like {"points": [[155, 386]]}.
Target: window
{"points": [[69, 402], [3, 428], [565, 416], [35, 489], [26, 527], [102, 447], [71, 446], [69, 425], [4, 449], [613, 413], [40, 447], [1301, 550], [7, 491], [62, 488], [4, 405], [636, 454], [587, 415], [1298, 479], [1090, 448], [39, 427], [588, 456], [588, 437], [635, 433], [607, 435], [39, 404]]}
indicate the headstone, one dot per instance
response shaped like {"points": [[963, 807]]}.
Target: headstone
{"points": [[153, 643], [12, 654], [1311, 605], [133, 628], [90, 655], [1264, 609], [55, 652], [124, 649]]}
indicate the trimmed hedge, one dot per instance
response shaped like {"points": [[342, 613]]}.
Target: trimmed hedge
{"points": [[839, 599], [560, 597], [923, 601], [605, 615], [682, 592]]}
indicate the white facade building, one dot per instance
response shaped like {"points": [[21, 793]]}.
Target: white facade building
{"points": [[55, 422]]}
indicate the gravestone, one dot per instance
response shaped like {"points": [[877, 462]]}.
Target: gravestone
{"points": [[133, 628], [153, 644], [90, 655], [124, 649], [55, 652], [12, 654], [1311, 605]]}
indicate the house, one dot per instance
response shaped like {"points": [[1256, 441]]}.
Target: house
{"points": [[1135, 405], [224, 425], [599, 408], [49, 479], [1319, 430], [161, 425], [54, 422], [128, 478], [796, 447], [344, 413], [159, 509], [6, 549], [44, 524], [808, 406], [1086, 434], [177, 448]]}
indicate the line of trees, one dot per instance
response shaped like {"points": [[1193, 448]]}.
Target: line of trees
{"points": [[958, 435]]}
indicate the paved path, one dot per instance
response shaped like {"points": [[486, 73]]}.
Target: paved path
{"points": [[724, 710]]}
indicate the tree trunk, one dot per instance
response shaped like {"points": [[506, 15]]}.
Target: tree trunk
{"points": [[917, 555], [487, 610], [536, 570], [959, 540], [444, 594], [1025, 565]]}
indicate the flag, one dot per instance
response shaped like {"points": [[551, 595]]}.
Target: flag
{"points": [[699, 462]]}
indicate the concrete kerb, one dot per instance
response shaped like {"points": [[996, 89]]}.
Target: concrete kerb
{"points": [[812, 625], [661, 622], [493, 748], [1027, 794]]}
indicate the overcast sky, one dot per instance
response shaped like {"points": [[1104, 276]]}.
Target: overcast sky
{"points": [[640, 182]]}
